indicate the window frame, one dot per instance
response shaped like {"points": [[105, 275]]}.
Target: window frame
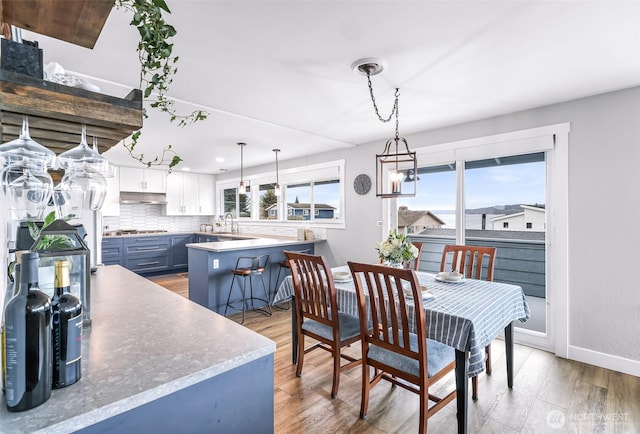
{"points": [[554, 141], [315, 173]]}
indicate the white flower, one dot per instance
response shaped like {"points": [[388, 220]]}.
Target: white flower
{"points": [[396, 248]]}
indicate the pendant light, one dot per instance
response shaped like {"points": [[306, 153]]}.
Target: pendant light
{"points": [[277, 187], [242, 189], [395, 164]]}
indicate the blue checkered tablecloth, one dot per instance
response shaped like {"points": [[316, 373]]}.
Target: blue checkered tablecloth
{"points": [[465, 315]]}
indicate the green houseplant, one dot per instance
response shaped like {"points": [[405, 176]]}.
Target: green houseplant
{"points": [[158, 66]]}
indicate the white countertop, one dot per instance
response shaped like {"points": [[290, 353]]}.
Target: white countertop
{"points": [[254, 243], [145, 342]]}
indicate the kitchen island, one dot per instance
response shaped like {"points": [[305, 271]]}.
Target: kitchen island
{"points": [[153, 361], [210, 266]]}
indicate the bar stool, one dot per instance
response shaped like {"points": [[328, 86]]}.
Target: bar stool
{"points": [[284, 266], [248, 267]]}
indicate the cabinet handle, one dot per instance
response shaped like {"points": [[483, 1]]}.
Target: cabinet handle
{"points": [[148, 249], [149, 263]]}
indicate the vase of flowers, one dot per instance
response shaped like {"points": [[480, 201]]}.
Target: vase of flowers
{"points": [[396, 249]]}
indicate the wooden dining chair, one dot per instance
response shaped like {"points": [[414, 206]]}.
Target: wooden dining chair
{"points": [[414, 263], [475, 263], [318, 316], [404, 358]]}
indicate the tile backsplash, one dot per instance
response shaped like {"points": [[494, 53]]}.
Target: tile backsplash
{"points": [[149, 217]]}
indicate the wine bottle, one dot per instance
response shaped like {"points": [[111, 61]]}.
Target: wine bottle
{"points": [[66, 330], [11, 291], [28, 341]]}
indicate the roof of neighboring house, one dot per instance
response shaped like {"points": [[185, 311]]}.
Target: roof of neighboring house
{"points": [[539, 208], [305, 206], [507, 216], [407, 217]]}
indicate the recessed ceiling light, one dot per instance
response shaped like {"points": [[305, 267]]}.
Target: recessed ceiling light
{"points": [[219, 159]]}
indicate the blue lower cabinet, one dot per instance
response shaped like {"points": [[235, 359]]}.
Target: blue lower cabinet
{"points": [[148, 254], [112, 251], [151, 254], [151, 264], [179, 251]]}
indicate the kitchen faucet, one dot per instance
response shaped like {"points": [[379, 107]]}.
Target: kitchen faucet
{"points": [[233, 224]]}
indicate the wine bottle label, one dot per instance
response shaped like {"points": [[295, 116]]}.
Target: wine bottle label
{"points": [[74, 339], [15, 351]]}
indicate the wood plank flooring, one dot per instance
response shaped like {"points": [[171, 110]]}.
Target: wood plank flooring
{"points": [[550, 394]]}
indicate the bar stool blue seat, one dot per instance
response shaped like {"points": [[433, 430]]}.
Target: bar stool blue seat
{"points": [[284, 266], [249, 267]]}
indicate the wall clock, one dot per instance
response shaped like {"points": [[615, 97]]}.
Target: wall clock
{"points": [[362, 184]]}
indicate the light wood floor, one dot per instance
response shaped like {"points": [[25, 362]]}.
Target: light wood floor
{"points": [[550, 394]]}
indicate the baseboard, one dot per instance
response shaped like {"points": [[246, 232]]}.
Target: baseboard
{"points": [[608, 361]]}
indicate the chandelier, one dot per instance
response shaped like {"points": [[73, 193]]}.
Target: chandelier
{"points": [[396, 165]]}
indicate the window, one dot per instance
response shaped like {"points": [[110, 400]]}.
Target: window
{"points": [[244, 204], [505, 225], [437, 194], [298, 201], [239, 205], [529, 225], [326, 195], [229, 201], [309, 193], [268, 202]]}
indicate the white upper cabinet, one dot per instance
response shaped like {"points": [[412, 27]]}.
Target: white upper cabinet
{"points": [[111, 206], [206, 203], [143, 180], [189, 194]]}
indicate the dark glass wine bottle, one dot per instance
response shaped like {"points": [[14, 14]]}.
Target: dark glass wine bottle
{"points": [[66, 331], [11, 291], [28, 341]]}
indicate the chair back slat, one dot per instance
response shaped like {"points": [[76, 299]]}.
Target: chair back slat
{"points": [[474, 262], [381, 290], [414, 263], [313, 287]]}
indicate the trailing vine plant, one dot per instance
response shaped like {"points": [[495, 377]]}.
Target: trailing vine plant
{"points": [[158, 66]]}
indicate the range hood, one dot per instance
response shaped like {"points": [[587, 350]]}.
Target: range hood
{"points": [[148, 198]]}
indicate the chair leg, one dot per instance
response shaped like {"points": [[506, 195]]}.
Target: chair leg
{"points": [[424, 410], [474, 388], [364, 397], [266, 295], [229, 296], [244, 298], [300, 354], [336, 372], [487, 358]]}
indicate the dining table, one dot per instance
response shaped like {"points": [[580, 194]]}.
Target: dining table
{"points": [[466, 314]]}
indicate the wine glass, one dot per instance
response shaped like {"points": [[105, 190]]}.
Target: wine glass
{"points": [[81, 188], [83, 157], [28, 188], [25, 147]]}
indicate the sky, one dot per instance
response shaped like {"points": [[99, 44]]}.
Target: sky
{"points": [[497, 185]]}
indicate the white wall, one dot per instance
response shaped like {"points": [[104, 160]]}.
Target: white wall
{"points": [[604, 154]]}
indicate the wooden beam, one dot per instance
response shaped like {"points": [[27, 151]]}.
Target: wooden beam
{"points": [[57, 112], [79, 22]]}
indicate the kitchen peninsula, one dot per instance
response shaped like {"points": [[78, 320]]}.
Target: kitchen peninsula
{"points": [[153, 361], [210, 266]]}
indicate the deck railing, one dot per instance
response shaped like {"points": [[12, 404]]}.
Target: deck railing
{"points": [[519, 262]]}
